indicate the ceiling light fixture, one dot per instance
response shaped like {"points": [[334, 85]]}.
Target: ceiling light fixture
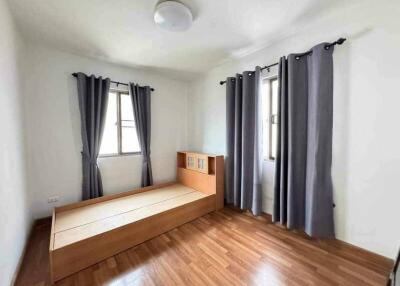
{"points": [[173, 16]]}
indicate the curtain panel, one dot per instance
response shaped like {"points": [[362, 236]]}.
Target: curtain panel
{"points": [[141, 103], [244, 129], [93, 98], [303, 183]]}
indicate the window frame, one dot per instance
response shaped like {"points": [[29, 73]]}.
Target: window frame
{"points": [[118, 93], [271, 118], [270, 79]]}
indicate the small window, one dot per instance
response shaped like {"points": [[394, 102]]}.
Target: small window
{"points": [[119, 136], [270, 117]]}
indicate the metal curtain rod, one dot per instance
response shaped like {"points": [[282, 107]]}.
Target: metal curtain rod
{"points": [[116, 82], [338, 42]]}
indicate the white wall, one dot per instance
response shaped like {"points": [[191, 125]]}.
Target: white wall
{"points": [[366, 140], [53, 128], [14, 209]]}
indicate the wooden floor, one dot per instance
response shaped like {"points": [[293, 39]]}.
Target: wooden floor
{"points": [[222, 248]]}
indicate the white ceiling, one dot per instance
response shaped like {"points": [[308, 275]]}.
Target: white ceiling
{"points": [[123, 31]]}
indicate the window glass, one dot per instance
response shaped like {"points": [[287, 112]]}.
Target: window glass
{"points": [[265, 109], [119, 136], [270, 116], [109, 143], [129, 140], [274, 118]]}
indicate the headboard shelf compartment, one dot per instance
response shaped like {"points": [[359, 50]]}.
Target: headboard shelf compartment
{"points": [[203, 172]]}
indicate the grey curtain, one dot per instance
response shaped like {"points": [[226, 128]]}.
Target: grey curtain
{"points": [[244, 157], [142, 112], [303, 183], [93, 98]]}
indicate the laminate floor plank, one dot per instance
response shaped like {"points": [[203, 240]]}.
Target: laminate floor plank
{"points": [[221, 248]]}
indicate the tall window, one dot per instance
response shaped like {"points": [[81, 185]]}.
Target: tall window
{"points": [[119, 137], [270, 116]]}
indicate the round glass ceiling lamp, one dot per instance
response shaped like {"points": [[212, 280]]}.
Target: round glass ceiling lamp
{"points": [[173, 16]]}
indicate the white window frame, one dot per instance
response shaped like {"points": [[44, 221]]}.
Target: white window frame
{"points": [[270, 118], [118, 93]]}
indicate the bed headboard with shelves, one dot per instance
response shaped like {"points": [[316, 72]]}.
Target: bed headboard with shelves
{"points": [[202, 172]]}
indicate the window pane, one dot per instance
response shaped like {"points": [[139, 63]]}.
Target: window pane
{"points": [[274, 133], [109, 143], [130, 141], [129, 138], [265, 108], [274, 113], [126, 107], [274, 107]]}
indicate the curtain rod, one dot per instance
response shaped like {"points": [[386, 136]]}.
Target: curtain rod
{"points": [[116, 82], [338, 42]]}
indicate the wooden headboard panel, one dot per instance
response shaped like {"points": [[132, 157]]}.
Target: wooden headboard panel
{"points": [[202, 172]]}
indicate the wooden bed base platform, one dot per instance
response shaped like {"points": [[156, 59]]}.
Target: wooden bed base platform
{"points": [[88, 232]]}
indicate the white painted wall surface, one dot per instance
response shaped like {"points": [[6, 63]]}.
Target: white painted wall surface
{"points": [[15, 219], [366, 139], [53, 128]]}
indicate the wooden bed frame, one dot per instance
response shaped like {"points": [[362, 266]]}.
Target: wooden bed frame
{"points": [[85, 233]]}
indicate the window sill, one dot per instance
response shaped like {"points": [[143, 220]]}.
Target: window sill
{"points": [[119, 155]]}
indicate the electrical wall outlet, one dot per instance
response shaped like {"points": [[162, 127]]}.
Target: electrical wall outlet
{"points": [[53, 199]]}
